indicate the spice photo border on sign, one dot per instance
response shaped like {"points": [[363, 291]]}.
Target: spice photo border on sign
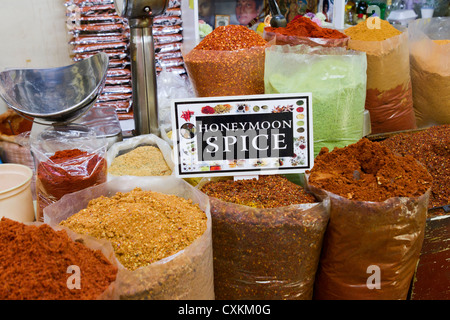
{"points": [[242, 135]]}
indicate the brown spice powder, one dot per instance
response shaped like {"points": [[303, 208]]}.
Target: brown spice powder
{"points": [[369, 171], [143, 226]]}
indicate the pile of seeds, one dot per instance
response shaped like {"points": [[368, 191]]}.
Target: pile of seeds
{"points": [[142, 161], [143, 226]]}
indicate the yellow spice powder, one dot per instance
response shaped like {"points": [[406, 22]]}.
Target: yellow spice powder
{"points": [[142, 226], [442, 41], [374, 29]]}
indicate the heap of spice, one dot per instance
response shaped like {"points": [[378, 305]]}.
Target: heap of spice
{"points": [[264, 246], [378, 205], [389, 89], [65, 172], [369, 171], [142, 161], [143, 226], [35, 260], [228, 61], [431, 147], [305, 27], [259, 193], [365, 31]]}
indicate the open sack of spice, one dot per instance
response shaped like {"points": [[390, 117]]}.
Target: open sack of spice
{"points": [[227, 62], [378, 209], [159, 227], [40, 262], [336, 77], [429, 49], [267, 237], [389, 90], [303, 30], [67, 159], [144, 155]]}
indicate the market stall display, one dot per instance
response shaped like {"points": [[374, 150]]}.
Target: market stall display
{"points": [[267, 236], [227, 62], [378, 208], [159, 227], [303, 30], [389, 91], [36, 259], [336, 77], [429, 45], [431, 148]]}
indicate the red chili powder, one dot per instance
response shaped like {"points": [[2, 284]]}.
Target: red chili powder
{"points": [[231, 37], [305, 27], [34, 262]]}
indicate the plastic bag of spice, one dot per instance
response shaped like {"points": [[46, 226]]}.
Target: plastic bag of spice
{"points": [[389, 90], [67, 159], [266, 253], [227, 62], [378, 208], [144, 155], [186, 274], [336, 77], [429, 45]]}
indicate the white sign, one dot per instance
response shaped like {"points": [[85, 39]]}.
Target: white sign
{"points": [[242, 135]]}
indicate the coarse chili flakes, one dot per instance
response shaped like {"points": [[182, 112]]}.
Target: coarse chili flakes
{"points": [[368, 171], [269, 191], [34, 264]]}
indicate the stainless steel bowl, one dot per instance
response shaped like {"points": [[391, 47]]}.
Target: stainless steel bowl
{"points": [[55, 94]]}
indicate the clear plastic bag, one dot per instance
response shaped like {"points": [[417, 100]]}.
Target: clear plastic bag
{"points": [[389, 91], [430, 70], [170, 86], [336, 77], [369, 244], [67, 159], [188, 274], [266, 254], [130, 144]]}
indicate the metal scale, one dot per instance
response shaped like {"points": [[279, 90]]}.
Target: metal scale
{"points": [[140, 15], [55, 96]]}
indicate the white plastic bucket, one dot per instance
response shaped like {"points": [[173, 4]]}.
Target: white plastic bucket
{"points": [[16, 201]]}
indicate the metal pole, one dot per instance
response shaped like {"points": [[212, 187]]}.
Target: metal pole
{"points": [[143, 72]]}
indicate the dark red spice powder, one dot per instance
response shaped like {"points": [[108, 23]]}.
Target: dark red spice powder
{"points": [[34, 261], [305, 27]]}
